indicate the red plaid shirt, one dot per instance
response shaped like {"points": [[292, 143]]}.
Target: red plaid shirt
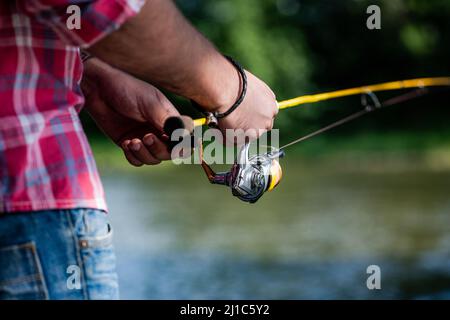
{"points": [[45, 159]]}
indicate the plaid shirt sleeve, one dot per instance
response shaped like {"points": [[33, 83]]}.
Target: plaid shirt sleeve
{"points": [[45, 160], [98, 18]]}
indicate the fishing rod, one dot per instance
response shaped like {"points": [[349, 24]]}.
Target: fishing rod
{"points": [[387, 86], [251, 177]]}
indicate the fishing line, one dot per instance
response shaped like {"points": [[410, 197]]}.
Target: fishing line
{"points": [[368, 109]]}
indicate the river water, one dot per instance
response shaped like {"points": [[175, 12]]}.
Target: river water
{"points": [[177, 237]]}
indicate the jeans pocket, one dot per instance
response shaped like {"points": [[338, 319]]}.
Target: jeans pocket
{"points": [[98, 238], [21, 274], [98, 257]]}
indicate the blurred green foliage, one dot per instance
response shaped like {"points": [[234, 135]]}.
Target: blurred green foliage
{"points": [[308, 46], [305, 46]]}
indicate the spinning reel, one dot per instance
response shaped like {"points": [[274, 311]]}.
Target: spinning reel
{"points": [[249, 177]]}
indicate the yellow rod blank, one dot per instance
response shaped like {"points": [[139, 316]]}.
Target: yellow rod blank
{"points": [[199, 122], [396, 85], [388, 86]]}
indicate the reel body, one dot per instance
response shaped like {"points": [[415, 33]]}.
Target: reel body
{"points": [[250, 177]]}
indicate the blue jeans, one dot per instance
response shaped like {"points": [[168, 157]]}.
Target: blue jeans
{"points": [[57, 254]]}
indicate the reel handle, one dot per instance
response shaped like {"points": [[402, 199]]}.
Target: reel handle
{"points": [[175, 123]]}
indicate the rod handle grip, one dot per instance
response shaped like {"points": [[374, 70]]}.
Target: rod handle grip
{"points": [[176, 123]]}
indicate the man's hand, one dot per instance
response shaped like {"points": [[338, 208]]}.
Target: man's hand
{"points": [[131, 112], [161, 47], [256, 113]]}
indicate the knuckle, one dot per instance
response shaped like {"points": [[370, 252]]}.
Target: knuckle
{"points": [[275, 108], [255, 135], [162, 101]]}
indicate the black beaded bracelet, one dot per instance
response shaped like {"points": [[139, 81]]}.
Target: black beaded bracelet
{"points": [[212, 118]]}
